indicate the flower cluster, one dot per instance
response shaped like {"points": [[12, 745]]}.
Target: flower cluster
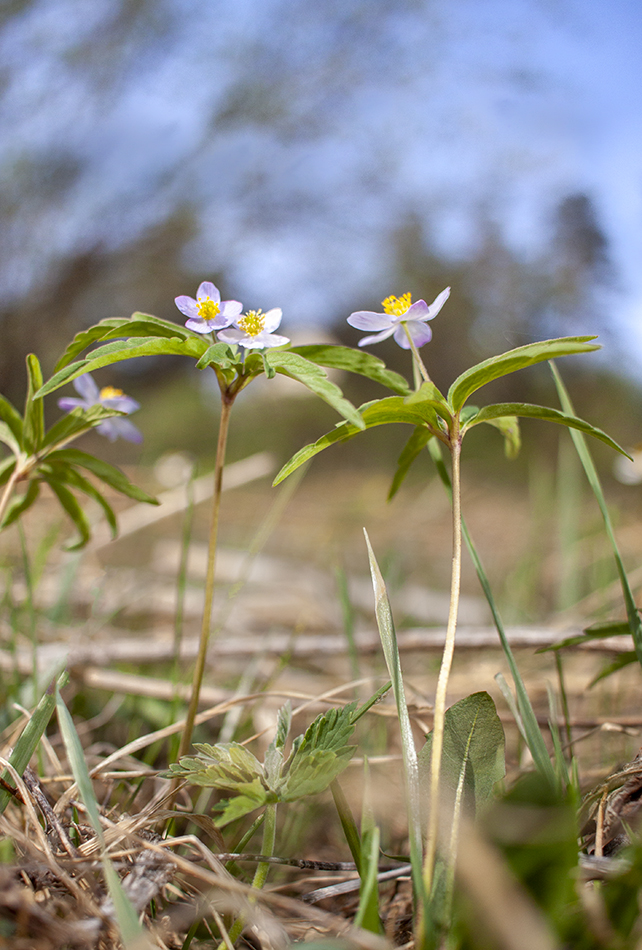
{"points": [[400, 318], [207, 314], [110, 398]]}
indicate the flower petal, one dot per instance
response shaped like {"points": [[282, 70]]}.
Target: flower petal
{"points": [[230, 310], [421, 334], [272, 319], [68, 403], [187, 305], [122, 403], [198, 325], [207, 289], [232, 336], [368, 320], [438, 303], [419, 310], [87, 388], [377, 337]]}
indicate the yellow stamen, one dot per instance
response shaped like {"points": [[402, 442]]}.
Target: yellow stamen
{"points": [[108, 392], [396, 306], [253, 322], [207, 308]]}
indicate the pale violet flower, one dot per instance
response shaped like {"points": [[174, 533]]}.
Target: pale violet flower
{"points": [[208, 312], [254, 330], [110, 398], [399, 315]]}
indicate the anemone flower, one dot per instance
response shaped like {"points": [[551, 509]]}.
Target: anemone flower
{"points": [[400, 316], [110, 398], [254, 330], [208, 312]]}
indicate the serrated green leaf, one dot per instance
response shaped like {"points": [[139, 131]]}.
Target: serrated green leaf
{"points": [[73, 509], [107, 473], [315, 379], [473, 744], [375, 413], [121, 350], [513, 360], [417, 441], [252, 796], [10, 415], [225, 765], [525, 410], [20, 503], [8, 438], [312, 772], [34, 422], [353, 361], [219, 355]]}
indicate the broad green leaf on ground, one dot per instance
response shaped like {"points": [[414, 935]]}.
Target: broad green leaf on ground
{"points": [[410, 451], [353, 361], [125, 350], [376, 413], [315, 379], [21, 503], [473, 744], [10, 415], [107, 473], [225, 765], [73, 509], [34, 424], [30, 736], [528, 411], [509, 362]]}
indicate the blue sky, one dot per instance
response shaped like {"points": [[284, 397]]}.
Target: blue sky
{"points": [[304, 134]]}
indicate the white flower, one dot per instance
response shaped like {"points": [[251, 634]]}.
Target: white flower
{"points": [[254, 330], [208, 312], [399, 315]]}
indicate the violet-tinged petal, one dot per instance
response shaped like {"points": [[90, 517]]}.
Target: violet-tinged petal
{"points": [[419, 310], [187, 305], [231, 336], [230, 310], [67, 403], [198, 325], [207, 289], [368, 320], [421, 334], [87, 388], [376, 337], [121, 403], [438, 302]]}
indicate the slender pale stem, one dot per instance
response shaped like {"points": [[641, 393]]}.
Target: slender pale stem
{"points": [[199, 669], [261, 873], [8, 490], [417, 360], [446, 663]]}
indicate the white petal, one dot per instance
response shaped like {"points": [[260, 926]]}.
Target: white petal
{"points": [[438, 303], [207, 289], [187, 305], [376, 337], [368, 320], [272, 319]]}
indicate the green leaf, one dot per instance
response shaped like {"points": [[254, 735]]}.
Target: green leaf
{"points": [[429, 395], [65, 473], [85, 339], [20, 503], [417, 441], [30, 736], [252, 795], [513, 360], [219, 355], [635, 623], [376, 413], [597, 631], [76, 421], [509, 428], [624, 659], [525, 410], [312, 772], [107, 473], [353, 361], [226, 765], [9, 439], [73, 509], [7, 466], [10, 415], [34, 424], [473, 744], [315, 379], [125, 350]]}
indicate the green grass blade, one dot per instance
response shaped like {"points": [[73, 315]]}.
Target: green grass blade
{"points": [[132, 933], [532, 732], [30, 737], [409, 752], [635, 623]]}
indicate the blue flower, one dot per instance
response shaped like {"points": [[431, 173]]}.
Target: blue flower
{"points": [[208, 312], [399, 317], [110, 398]]}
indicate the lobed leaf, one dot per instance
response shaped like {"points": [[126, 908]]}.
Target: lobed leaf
{"points": [[311, 772], [513, 360], [226, 765], [526, 410], [353, 361], [219, 355], [252, 795], [315, 379]]}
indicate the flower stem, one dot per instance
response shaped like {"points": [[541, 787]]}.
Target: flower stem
{"points": [[261, 873], [199, 669], [417, 360], [8, 490], [446, 662]]}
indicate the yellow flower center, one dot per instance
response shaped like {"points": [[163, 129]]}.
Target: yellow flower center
{"points": [[396, 306], [108, 392], [208, 309], [253, 322]]}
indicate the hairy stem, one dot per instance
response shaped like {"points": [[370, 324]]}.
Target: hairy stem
{"points": [[446, 663], [199, 669]]}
